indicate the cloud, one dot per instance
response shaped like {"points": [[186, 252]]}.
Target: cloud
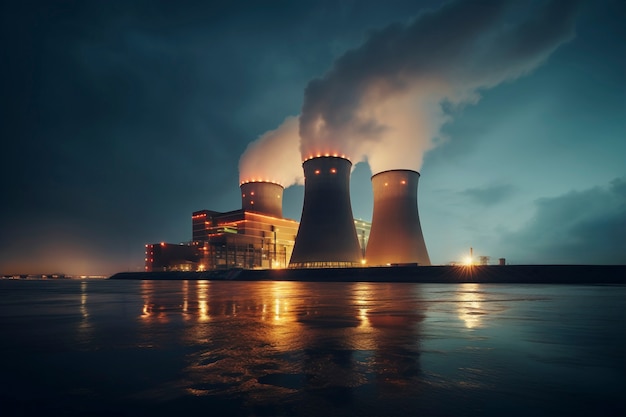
{"points": [[578, 227], [491, 195]]}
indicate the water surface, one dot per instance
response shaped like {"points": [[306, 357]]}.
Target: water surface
{"points": [[98, 347]]}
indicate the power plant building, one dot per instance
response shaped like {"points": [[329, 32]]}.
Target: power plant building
{"points": [[242, 239], [255, 236]]}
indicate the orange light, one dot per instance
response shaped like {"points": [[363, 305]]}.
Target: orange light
{"points": [[252, 203], [333, 171], [317, 171], [403, 182]]}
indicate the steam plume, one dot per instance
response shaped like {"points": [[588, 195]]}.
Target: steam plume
{"points": [[274, 156], [382, 102]]}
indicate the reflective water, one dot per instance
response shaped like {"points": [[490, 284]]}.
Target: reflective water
{"points": [[183, 348]]}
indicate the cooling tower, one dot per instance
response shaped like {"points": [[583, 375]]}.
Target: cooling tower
{"points": [[326, 236], [262, 197], [396, 234]]}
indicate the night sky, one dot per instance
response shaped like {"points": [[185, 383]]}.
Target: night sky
{"points": [[121, 118]]}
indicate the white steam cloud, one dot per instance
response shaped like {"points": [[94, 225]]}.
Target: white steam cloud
{"points": [[384, 101], [274, 156]]}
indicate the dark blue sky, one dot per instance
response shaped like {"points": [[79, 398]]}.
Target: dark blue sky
{"points": [[120, 118]]}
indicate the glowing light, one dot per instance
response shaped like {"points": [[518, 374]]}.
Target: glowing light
{"points": [[468, 261], [403, 182], [333, 171], [317, 171], [363, 261], [251, 203]]}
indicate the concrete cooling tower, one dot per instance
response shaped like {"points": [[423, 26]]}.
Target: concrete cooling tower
{"points": [[262, 197], [396, 234], [326, 236]]}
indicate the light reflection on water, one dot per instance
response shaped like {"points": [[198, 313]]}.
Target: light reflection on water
{"points": [[469, 305], [295, 348]]}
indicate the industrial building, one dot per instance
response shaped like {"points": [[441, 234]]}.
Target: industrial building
{"points": [[327, 236], [255, 236]]}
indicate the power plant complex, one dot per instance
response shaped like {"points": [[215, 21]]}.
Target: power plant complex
{"points": [[256, 236]]}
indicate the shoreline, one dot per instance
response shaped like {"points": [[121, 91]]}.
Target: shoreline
{"points": [[487, 274]]}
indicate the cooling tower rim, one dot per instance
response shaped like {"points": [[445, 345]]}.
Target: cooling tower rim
{"points": [[242, 183], [395, 170], [327, 156], [315, 158]]}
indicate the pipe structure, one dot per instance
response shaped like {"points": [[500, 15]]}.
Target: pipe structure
{"points": [[396, 235], [326, 235]]}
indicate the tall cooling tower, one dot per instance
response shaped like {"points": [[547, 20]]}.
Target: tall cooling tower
{"points": [[326, 236], [396, 234], [262, 197]]}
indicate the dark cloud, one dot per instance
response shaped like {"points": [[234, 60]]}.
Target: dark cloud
{"points": [[581, 227], [490, 195]]}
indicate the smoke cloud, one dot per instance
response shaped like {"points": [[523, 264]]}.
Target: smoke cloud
{"points": [[385, 102], [274, 156]]}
